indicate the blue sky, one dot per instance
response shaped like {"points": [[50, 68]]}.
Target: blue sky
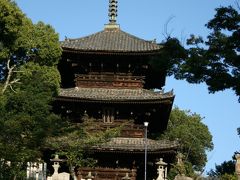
{"points": [[146, 19]]}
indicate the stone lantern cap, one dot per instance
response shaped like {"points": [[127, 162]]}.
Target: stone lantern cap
{"points": [[161, 162], [56, 159]]}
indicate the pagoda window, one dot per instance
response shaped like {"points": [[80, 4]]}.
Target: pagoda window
{"points": [[108, 115]]}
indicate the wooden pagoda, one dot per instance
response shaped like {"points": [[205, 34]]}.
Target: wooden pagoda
{"points": [[107, 76]]}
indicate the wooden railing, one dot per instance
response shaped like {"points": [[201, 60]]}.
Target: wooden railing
{"points": [[108, 79], [128, 128]]}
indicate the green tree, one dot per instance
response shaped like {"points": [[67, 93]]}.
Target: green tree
{"points": [[22, 41], [215, 61], [224, 171], [29, 80], [193, 136], [76, 140], [26, 116], [11, 21]]}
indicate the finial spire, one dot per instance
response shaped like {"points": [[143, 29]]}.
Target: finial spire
{"points": [[113, 11], [113, 4]]}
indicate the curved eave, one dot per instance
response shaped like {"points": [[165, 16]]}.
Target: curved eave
{"points": [[110, 41], [120, 151], [105, 52], [168, 100], [136, 145]]}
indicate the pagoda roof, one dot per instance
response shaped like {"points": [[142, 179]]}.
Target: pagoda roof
{"points": [[137, 145], [110, 40], [114, 95]]}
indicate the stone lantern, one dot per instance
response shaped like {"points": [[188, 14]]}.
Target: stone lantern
{"points": [[237, 165], [126, 177], [162, 170], [56, 165], [89, 176]]}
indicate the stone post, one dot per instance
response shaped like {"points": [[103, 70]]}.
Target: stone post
{"points": [[126, 177], [237, 166], [89, 176]]}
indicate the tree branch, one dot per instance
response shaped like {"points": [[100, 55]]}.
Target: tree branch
{"points": [[166, 32], [9, 75], [238, 4]]}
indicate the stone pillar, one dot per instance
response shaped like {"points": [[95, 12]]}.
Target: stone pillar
{"points": [[89, 176], [126, 177], [55, 167], [237, 166]]}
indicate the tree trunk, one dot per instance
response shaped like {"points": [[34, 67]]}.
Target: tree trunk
{"points": [[14, 177]]}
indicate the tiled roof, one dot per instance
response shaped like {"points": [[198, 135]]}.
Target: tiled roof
{"points": [[105, 94], [110, 40], [137, 144]]}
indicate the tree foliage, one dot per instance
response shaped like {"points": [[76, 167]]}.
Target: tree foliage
{"points": [[227, 167], [224, 171], [214, 61], [76, 141], [221, 69], [28, 82], [219, 63], [26, 116], [171, 56], [192, 134], [22, 41], [11, 21]]}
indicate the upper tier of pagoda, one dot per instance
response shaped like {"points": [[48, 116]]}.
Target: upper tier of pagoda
{"points": [[111, 58], [111, 40]]}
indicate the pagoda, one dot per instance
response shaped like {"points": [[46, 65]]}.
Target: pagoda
{"points": [[107, 76]]}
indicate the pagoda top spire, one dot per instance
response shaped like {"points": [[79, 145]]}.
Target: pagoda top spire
{"points": [[112, 14], [113, 4]]}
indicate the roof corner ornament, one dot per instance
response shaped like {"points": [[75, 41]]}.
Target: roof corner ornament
{"points": [[113, 4]]}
